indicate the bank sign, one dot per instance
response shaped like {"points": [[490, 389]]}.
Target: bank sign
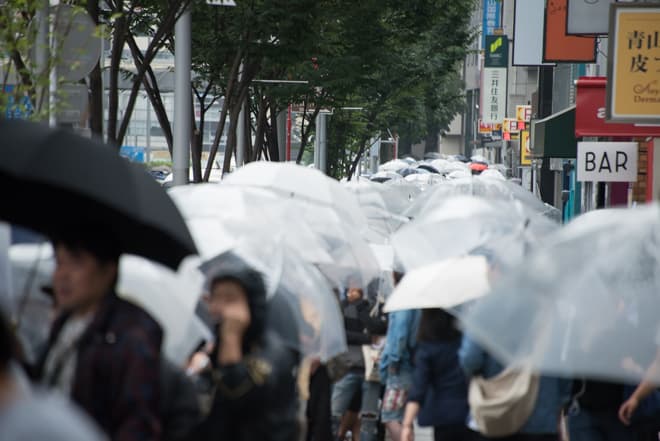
{"points": [[607, 162], [633, 88]]}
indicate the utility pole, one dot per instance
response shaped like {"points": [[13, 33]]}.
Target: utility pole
{"points": [[182, 102]]}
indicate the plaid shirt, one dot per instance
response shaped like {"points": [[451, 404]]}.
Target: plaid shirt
{"points": [[117, 373]]}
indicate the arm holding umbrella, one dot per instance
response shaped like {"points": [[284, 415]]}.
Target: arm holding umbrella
{"points": [[645, 388], [471, 357]]}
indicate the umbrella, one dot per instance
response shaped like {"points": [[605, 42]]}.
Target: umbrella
{"points": [[381, 221], [384, 176], [584, 305], [300, 183], [482, 186], [412, 171], [459, 225], [429, 168], [394, 165], [168, 296], [445, 284], [67, 180], [303, 309]]}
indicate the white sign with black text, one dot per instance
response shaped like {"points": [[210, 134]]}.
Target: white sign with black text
{"points": [[607, 161], [493, 95]]}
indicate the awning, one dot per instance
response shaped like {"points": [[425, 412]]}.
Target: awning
{"points": [[554, 136], [590, 114]]}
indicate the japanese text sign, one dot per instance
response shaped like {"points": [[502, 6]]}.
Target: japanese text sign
{"points": [[633, 89], [493, 98]]}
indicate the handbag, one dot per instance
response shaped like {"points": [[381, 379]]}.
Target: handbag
{"points": [[371, 362], [502, 405]]}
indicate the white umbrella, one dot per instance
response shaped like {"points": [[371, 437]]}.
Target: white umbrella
{"points": [[300, 183], [445, 284]]}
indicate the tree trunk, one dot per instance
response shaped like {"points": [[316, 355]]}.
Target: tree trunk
{"points": [[197, 141], [231, 84], [95, 84], [259, 132], [247, 130], [231, 139], [272, 135], [118, 39]]}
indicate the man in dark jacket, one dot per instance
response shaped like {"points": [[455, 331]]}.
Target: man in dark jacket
{"points": [[253, 370], [103, 352], [358, 324]]}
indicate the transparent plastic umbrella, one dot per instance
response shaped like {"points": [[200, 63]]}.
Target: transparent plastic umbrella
{"points": [[305, 310], [382, 222], [220, 216], [481, 186], [459, 225], [167, 295], [6, 293], [302, 184], [584, 305]]}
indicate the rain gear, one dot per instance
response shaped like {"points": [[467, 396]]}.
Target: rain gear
{"points": [[255, 399]]}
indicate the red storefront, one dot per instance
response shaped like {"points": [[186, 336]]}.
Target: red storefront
{"points": [[590, 122]]}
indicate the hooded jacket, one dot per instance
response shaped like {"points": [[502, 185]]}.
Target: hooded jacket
{"points": [[255, 399]]}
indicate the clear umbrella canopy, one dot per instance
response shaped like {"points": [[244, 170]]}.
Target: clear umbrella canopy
{"points": [[482, 186], [220, 216], [302, 184], [381, 221], [304, 309], [461, 225], [586, 304], [168, 296]]}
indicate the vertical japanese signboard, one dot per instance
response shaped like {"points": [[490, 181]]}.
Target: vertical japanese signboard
{"points": [[492, 19], [525, 148], [633, 87], [493, 96]]}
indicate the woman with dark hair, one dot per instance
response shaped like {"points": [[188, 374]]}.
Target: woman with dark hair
{"points": [[438, 397]]}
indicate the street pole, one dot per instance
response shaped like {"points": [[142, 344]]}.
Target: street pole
{"points": [[148, 153], [282, 134], [289, 122], [52, 79], [317, 143], [41, 50], [240, 138], [323, 143], [182, 102]]}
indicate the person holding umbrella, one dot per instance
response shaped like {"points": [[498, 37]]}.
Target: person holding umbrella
{"points": [[103, 352], [252, 370]]}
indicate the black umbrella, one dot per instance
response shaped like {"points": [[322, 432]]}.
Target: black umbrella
{"points": [[53, 180], [429, 168]]}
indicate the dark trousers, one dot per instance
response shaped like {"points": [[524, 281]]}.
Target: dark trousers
{"points": [[598, 426], [454, 433], [318, 407], [526, 437]]}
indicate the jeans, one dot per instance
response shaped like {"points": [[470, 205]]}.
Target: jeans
{"points": [[342, 394], [598, 426], [370, 409]]}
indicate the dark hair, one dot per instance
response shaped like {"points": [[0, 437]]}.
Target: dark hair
{"points": [[98, 241], [397, 277], [437, 325]]}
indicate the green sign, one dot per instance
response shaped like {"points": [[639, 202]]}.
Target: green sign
{"points": [[497, 51]]}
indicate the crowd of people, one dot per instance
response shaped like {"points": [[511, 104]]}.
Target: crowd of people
{"points": [[101, 376]]}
